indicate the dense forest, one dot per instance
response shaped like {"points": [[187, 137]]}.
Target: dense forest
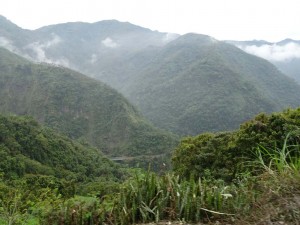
{"points": [[186, 84], [79, 107], [61, 132], [29, 148], [46, 178], [37, 162]]}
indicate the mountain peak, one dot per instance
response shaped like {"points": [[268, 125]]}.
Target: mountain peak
{"points": [[197, 37], [286, 41], [4, 22], [194, 39], [3, 19]]}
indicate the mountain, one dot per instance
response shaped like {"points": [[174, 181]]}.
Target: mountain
{"points": [[78, 106], [13, 37], [29, 148], [186, 84], [98, 49], [284, 54], [196, 83]]}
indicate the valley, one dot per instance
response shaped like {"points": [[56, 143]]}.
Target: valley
{"points": [[113, 123], [180, 83]]}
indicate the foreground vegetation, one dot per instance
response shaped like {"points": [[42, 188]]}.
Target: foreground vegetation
{"points": [[260, 185], [271, 196]]}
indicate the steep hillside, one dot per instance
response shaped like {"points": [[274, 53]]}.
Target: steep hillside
{"points": [[13, 37], [186, 84], [197, 84], [100, 49], [77, 106], [29, 148]]}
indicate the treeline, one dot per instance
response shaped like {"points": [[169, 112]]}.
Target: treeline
{"points": [[79, 107], [241, 177], [40, 169], [29, 148], [225, 155]]}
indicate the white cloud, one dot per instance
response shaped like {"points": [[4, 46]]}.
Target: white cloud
{"points": [[54, 41], [6, 43], [170, 37], [93, 59], [39, 49], [108, 42], [274, 52]]}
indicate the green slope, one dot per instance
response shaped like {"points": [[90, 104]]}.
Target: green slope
{"points": [[227, 155], [197, 84], [13, 37], [187, 84], [77, 106], [29, 148], [98, 49]]}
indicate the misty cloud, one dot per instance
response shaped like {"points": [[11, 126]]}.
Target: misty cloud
{"points": [[93, 59], [39, 51], [40, 47], [170, 37], [274, 52], [108, 42], [6, 43], [54, 41]]}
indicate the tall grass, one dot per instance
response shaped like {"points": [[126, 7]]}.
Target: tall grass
{"points": [[280, 160], [149, 197]]}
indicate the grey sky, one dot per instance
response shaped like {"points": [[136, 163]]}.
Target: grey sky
{"points": [[223, 19]]}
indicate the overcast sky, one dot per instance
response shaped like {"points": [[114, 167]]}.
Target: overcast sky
{"points": [[271, 20]]}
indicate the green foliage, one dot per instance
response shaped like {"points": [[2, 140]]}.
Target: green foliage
{"points": [[206, 155], [283, 161], [248, 199], [188, 85], [148, 197], [196, 84], [277, 185], [29, 148], [222, 155], [41, 170], [77, 106], [185, 86], [23, 201], [78, 210]]}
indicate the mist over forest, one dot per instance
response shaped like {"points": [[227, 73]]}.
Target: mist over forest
{"points": [[113, 123]]}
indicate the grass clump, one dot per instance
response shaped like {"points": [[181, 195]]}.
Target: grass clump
{"points": [[148, 197]]}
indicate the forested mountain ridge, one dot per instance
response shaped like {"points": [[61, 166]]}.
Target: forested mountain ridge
{"points": [[92, 48], [196, 84], [189, 84], [77, 106], [11, 32], [29, 148], [186, 84]]}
